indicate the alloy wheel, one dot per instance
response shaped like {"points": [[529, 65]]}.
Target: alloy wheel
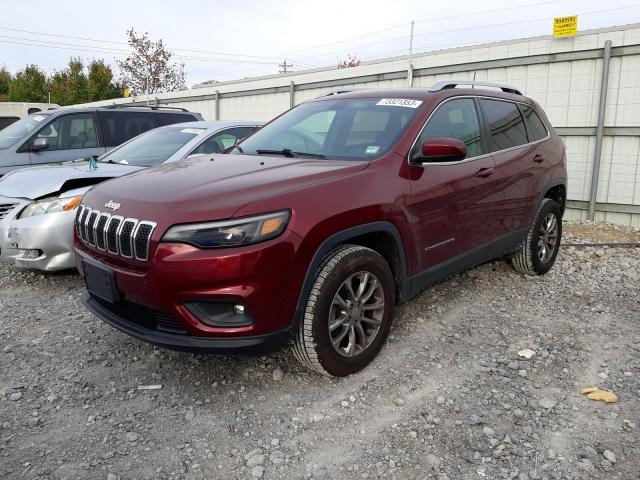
{"points": [[356, 314], [548, 238]]}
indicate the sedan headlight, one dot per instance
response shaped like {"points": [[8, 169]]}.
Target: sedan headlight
{"points": [[50, 205], [229, 233]]}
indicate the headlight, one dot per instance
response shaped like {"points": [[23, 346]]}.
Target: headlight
{"points": [[229, 233], [50, 205]]}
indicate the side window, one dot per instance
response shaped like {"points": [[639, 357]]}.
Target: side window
{"points": [[118, 127], [169, 118], [70, 131], [504, 123], [219, 142], [455, 119], [535, 126]]}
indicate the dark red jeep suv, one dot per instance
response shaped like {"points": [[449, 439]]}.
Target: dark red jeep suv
{"points": [[322, 221]]}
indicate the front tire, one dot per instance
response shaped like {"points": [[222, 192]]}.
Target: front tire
{"points": [[539, 250], [348, 312]]}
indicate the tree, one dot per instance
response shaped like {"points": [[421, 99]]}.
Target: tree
{"points": [[101, 85], [29, 85], [69, 86], [351, 61], [149, 68], [5, 80]]}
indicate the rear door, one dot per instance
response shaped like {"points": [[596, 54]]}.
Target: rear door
{"points": [[453, 202], [118, 126], [68, 137], [519, 159]]}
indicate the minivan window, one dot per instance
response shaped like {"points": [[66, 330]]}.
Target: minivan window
{"points": [[505, 124], [535, 126], [16, 131], [341, 129], [169, 118], [454, 119], [118, 127], [67, 132]]}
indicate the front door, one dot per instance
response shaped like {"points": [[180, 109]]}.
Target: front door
{"points": [[453, 204], [68, 137]]}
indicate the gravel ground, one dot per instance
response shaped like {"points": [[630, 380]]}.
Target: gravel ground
{"points": [[448, 398]]}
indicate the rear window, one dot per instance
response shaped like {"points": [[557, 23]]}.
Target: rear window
{"points": [[118, 126], [505, 124], [535, 126], [169, 118]]}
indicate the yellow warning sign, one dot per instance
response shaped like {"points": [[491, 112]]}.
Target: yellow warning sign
{"points": [[565, 26]]}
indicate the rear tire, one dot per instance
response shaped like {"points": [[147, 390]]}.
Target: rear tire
{"points": [[539, 250], [348, 313]]}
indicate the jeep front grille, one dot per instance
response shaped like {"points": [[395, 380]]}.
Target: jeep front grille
{"points": [[5, 208], [127, 237]]}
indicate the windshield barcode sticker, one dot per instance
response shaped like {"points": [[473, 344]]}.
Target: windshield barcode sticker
{"points": [[400, 102], [39, 118], [194, 131]]}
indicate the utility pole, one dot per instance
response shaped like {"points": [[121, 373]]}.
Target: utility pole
{"points": [[410, 68], [284, 65]]}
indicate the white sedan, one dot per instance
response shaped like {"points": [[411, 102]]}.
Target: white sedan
{"points": [[37, 205]]}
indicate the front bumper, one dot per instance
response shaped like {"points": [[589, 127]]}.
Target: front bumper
{"points": [[50, 234], [265, 278], [251, 344]]}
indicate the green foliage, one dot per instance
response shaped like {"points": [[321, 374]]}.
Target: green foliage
{"points": [[5, 79], [70, 86], [28, 85]]}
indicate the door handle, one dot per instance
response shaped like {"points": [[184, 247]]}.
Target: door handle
{"points": [[538, 158], [485, 172]]}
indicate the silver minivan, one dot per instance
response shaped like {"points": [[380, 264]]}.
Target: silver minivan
{"points": [[62, 134]]}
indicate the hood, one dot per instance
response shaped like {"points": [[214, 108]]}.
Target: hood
{"points": [[38, 182], [207, 188]]}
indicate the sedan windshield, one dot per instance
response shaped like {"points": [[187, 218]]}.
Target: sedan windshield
{"points": [[18, 130], [153, 147], [345, 129]]}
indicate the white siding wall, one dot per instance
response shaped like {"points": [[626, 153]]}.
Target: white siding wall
{"points": [[567, 90]]}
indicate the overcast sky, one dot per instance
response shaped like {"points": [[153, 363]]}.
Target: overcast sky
{"points": [[242, 38]]}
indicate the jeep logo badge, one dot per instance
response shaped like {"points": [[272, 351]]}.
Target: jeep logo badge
{"points": [[113, 205]]}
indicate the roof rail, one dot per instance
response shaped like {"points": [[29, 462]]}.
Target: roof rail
{"points": [[447, 84], [152, 107], [334, 92]]}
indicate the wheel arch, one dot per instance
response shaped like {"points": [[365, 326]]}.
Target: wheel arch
{"points": [[382, 237]]}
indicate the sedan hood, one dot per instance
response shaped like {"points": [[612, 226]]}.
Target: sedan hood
{"points": [[38, 182], [207, 188]]}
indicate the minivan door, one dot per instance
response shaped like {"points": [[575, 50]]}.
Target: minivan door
{"points": [[67, 137], [453, 204]]}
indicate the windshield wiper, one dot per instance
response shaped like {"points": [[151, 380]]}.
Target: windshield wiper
{"points": [[287, 152]]}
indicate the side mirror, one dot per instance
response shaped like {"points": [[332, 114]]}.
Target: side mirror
{"points": [[39, 144], [442, 150]]}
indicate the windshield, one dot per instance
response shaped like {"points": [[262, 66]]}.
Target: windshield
{"points": [[153, 147], [349, 129], [18, 130]]}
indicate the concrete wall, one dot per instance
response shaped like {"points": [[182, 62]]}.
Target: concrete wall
{"points": [[563, 75]]}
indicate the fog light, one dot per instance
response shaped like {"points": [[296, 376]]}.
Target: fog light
{"points": [[31, 254], [220, 313]]}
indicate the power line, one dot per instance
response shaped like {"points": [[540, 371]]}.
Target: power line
{"points": [[114, 51], [71, 37]]}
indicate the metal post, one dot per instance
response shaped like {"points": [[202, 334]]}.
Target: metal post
{"points": [[292, 89], [410, 68], [595, 174], [217, 105]]}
